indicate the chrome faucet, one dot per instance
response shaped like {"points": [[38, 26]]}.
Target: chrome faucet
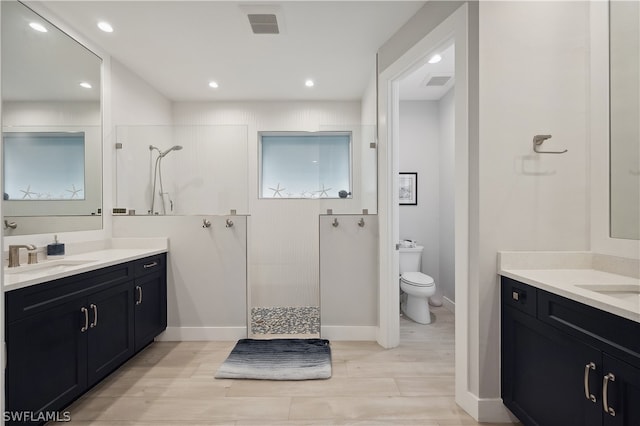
{"points": [[14, 253]]}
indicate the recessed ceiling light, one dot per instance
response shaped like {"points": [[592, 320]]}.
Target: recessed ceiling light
{"points": [[105, 26], [213, 84], [309, 83], [38, 27], [85, 85], [435, 59]]}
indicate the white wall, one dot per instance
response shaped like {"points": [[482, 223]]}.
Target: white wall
{"points": [[206, 275], [348, 277], [134, 100], [419, 152], [532, 81], [427, 147]]}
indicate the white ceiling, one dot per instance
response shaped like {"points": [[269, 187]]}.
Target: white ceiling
{"points": [[179, 46]]}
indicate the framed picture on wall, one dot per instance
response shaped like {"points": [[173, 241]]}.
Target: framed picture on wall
{"points": [[408, 189]]}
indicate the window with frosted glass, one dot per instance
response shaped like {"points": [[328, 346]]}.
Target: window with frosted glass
{"points": [[44, 166], [305, 165]]}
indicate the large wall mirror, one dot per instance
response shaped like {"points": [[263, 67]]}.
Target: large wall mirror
{"points": [[624, 92], [51, 127]]}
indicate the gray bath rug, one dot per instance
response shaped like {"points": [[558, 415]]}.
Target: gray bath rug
{"points": [[278, 359]]}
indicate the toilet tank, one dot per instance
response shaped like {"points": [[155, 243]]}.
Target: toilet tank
{"points": [[410, 259]]}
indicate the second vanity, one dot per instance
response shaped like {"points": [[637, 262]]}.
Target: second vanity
{"points": [[570, 338], [70, 322]]}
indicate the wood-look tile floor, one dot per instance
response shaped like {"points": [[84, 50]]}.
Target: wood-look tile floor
{"points": [[171, 383]]}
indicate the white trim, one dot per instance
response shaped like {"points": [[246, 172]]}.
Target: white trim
{"points": [[349, 333], [449, 305], [207, 334], [456, 26], [485, 410]]}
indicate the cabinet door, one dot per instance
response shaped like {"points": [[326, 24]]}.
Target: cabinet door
{"points": [[543, 374], [150, 308], [110, 337], [46, 359], [623, 393]]}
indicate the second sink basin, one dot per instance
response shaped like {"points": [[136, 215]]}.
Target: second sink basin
{"points": [[630, 292]]}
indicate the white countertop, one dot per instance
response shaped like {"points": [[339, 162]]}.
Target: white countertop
{"points": [[95, 256], [579, 278]]}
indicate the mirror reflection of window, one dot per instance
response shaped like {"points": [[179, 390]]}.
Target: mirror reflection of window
{"points": [[44, 166]]}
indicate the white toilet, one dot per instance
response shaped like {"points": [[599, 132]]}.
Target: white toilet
{"points": [[418, 287]]}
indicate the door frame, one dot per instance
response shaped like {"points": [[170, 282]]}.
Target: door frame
{"points": [[455, 27]]}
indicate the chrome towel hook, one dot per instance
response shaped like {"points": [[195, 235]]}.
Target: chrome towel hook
{"points": [[228, 223], [538, 140], [361, 222], [335, 222], [206, 223]]}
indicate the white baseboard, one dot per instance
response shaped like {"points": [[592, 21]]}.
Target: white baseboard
{"points": [[184, 334], [449, 305], [492, 410], [339, 332], [485, 410]]}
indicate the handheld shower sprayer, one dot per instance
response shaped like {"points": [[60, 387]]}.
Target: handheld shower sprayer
{"points": [[157, 176], [163, 153], [173, 148]]}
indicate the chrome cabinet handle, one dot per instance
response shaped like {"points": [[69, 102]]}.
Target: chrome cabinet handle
{"points": [[605, 394], [139, 289], [587, 391], [86, 319], [150, 265], [95, 316]]}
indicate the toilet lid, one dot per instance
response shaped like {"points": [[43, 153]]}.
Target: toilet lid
{"points": [[418, 279]]}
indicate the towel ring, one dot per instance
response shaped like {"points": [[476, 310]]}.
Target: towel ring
{"points": [[538, 140]]}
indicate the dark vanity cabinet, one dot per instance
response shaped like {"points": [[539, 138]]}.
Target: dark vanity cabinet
{"points": [[65, 335], [150, 291], [565, 363]]}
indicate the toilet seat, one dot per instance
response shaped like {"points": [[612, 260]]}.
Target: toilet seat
{"points": [[417, 279]]}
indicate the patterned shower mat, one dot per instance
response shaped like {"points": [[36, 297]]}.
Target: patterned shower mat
{"points": [[285, 320]]}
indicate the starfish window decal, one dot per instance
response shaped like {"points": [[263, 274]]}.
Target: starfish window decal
{"points": [[28, 192], [74, 191], [323, 191], [277, 191]]}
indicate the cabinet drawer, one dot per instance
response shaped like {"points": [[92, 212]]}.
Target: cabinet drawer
{"points": [[40, 297], [149, 265], [519, 296], [602, 329]]}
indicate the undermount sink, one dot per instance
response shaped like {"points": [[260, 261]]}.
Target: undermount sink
{"points": [[49, 267], [630, 292]]}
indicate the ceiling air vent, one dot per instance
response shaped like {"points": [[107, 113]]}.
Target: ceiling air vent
{"points": [[440, 80], [263, 23]]}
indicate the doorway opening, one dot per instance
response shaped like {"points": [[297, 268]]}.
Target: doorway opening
{"points": [[453, 29], [426, 129]]}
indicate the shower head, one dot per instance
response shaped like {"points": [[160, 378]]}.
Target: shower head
{"points": [[173, 148]]}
